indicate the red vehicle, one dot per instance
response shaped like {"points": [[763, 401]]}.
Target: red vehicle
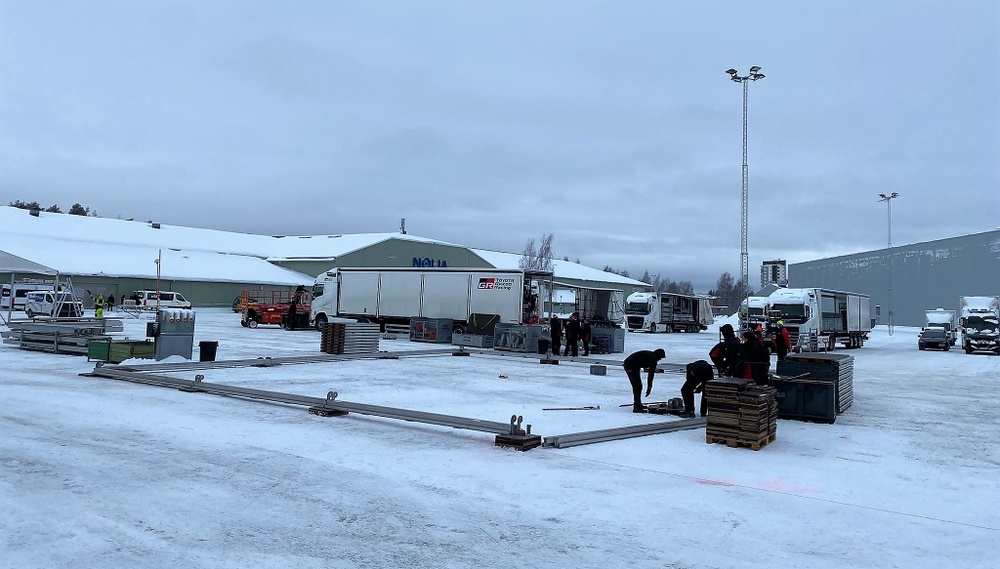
{"points": [[268, 307]]}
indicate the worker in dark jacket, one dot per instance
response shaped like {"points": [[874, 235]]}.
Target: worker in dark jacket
{"points": [[293, 308], [754, 362], [555, 333], [572, 334], [726, 353], [637, 361], [698, 374], [585, 336]]}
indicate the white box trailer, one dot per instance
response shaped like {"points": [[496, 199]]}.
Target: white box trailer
{"points": [[667, 312], [395, 295], [830, 315]]}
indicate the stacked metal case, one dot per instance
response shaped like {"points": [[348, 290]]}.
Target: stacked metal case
{"points": [[349, 338], [825, 367]]}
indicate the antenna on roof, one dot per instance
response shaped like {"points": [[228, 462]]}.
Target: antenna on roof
{"points": [[402, 225]]}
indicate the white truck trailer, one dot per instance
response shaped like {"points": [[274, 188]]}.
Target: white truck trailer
{"points": [[978, 320], [395, 295], [667, 312], [944, 319], [822, 314]]}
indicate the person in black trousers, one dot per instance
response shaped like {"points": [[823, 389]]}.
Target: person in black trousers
{"points": [[754, 361], [643, 359], [726, 353], [585, 336], [698, 374], [572, 334], [293, 308], [555, 334]]}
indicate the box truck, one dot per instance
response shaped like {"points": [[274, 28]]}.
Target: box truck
{"points": [[395, 295], [667, 312], [753, 311], [979, 320], [818, 316], [945, 320]]}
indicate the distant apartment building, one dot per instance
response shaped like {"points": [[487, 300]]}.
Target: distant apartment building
{"points": [[774, 272]]}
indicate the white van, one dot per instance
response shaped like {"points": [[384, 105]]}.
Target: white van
{"points": [[146, 299], [45, 303], [21, 290]]}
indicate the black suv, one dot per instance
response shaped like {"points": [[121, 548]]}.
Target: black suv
{"points": [[933, 338]]}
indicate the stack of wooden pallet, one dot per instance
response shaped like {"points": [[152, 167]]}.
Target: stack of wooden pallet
{"points": [[740, 413], [349, 338]]}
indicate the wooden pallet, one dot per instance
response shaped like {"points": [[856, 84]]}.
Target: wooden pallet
{"points": [[737, 442]]}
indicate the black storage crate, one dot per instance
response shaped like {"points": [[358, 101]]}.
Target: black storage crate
{"points": [[806, 400], [835, 368]]}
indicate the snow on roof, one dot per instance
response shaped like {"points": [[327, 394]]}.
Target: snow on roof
{"points": [[139, 261], [563, 269], [71, 244], [105, 230]]}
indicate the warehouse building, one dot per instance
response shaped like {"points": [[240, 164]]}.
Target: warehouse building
{"points": [[211, 267], [928, 275]]}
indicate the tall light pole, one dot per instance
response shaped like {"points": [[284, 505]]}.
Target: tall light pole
{"points": [[888, 208], [754, 75]]}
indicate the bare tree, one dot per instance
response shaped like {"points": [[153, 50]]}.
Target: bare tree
{"points": [[540, 260]]}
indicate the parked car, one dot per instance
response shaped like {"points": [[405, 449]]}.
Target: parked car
{"points": [[933, 337]]}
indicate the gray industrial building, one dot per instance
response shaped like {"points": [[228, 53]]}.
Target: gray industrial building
{"points": [[928, 275]]}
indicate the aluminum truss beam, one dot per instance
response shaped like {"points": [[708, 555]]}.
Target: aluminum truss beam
{"points": [[617, 433], [330, 403]]}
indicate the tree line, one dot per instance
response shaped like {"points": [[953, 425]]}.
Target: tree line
{"points": [[76, 209]]}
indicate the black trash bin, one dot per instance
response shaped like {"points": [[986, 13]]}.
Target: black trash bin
{"points": [[543, 345], [207, 350]]}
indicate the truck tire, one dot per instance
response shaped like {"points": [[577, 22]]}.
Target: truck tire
{"points": [[458, 329], [244, 323], [253, 323], [652, 327], [29, 314], [320, 322], [946, 346]]}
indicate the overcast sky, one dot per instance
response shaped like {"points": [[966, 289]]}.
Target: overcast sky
{"points": [[611, 125]]}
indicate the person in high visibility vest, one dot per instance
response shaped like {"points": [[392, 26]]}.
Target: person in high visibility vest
{"points": [[99, 306]]}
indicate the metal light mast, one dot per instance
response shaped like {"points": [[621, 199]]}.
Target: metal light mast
{"points": [[754, 75], [888, 207]]}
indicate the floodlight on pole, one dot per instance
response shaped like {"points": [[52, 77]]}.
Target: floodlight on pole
{"points": [[754, 75], [888, 208]]}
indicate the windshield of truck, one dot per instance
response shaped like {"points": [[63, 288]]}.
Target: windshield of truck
{"points": [[317, 290], [977, 324], [791, 312], [637, 308]]}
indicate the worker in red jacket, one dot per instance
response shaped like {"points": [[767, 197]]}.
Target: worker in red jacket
{"points": [[782, 341]]}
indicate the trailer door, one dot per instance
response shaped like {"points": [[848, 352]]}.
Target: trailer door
{"points": [[359, 292], [399, 294], [446, 295]]}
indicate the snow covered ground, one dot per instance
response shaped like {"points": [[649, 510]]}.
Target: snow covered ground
{"points": [[102, 473]]}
